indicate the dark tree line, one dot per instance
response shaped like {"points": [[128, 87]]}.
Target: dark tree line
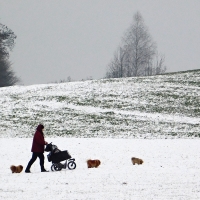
{"points": [[137, 56], [7, 75]]}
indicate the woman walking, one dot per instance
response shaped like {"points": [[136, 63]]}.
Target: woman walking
{"points": [[37, 149]]}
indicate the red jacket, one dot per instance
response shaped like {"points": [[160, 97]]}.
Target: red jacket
{"points": [[38, 142]]}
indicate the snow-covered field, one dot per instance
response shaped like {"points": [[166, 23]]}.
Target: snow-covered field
{"points": [[171, 170], [153, 118]]}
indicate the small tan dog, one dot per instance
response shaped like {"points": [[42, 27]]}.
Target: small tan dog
{"points": [[16, 169], [136, 160], [93, 163]]}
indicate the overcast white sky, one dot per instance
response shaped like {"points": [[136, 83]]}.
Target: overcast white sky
{"points": [[77, 38]]}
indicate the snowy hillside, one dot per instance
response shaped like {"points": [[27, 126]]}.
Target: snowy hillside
{"points": [[165, 106]]}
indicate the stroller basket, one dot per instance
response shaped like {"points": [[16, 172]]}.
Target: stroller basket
{"points": [[58, 157]]}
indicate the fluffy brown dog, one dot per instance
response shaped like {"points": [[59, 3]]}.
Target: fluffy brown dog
{"points": [[136, 160], [93, 163], [16, 169]]}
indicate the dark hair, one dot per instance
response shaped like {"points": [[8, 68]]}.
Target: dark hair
{"points": [[39, 128]]}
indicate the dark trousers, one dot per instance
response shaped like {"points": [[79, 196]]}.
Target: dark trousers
{"points": [[33, 159]]}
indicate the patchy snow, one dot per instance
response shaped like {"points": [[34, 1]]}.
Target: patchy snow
{"points": [[166, 106], [170, 170]]}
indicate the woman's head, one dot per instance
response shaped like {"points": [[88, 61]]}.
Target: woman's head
{"points": [[40, 128]]}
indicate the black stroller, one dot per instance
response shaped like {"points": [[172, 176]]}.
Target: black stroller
{"points": [[56, 156]]}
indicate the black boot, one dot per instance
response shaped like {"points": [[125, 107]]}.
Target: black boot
{"points": [[27, 170]]}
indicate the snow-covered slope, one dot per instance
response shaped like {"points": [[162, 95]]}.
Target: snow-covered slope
{"points": [[165, 106]]}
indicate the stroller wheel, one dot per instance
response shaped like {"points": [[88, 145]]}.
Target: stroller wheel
{"points": [[56, 167], [52, 168], [71, 165]]}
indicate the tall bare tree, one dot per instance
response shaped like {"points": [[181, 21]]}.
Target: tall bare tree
{"points": [[7, 75], [137, 55]]}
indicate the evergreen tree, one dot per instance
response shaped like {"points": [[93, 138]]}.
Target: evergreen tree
{"points": [[7, 75]]}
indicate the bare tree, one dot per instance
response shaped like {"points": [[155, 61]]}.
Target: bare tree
{"points": [[137, 54], [159, 66], [139, 44], [117, 65]]}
